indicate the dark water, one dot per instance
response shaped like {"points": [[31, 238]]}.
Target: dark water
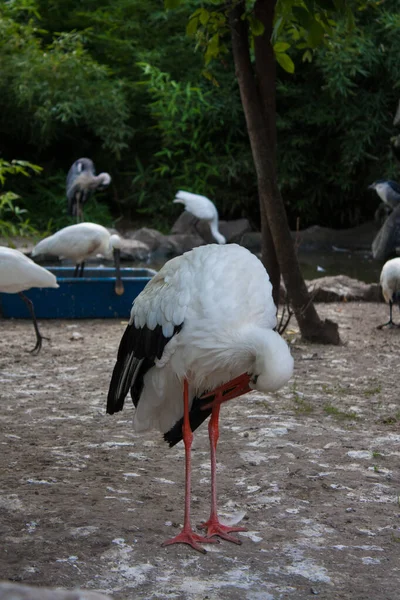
{"points": [[358, 265]]}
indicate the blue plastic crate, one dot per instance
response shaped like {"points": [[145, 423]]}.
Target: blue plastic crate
{"points": [[89, 297]]}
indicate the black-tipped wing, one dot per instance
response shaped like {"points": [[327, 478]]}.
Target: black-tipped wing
{"points": [[137, 353]]}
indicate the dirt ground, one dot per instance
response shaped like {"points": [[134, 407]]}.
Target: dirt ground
{"points": [[312, 471]]}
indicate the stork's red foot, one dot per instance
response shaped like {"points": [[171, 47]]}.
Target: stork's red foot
{"points": [[214, 527], [187, 536]]}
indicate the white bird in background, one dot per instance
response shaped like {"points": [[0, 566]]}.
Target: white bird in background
{"points": [[19, 273], [202, 208], [204, 323], [390, 282], [81, 241], [82, 181]]}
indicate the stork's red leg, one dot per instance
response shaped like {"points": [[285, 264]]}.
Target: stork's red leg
{"points": [[187, 535], [213, 525]]}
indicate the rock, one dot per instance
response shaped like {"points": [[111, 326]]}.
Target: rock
{"points": [[252, 241], [16, 591], [159, 245], [396, 120], [324, 238], [134, 250], [185, 241], [387, 240], [342, 288], [189, 224], [234, 230], [75, 336], [150, 237]]}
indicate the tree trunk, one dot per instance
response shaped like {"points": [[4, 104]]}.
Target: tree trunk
{"points": [[266, 92], [262, 140]]}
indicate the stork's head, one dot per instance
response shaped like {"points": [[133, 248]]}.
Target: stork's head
{"points": [[273, 366]]}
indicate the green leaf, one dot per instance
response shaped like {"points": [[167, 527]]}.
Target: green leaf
{"points": [[192, 26], [213, 44], [204, 16], [256, 27], [285, 61], [316, 33], [278, 26], [281, 47], [302, 16]]}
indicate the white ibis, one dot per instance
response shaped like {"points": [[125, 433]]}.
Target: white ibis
{"points": [[390, 282], [202, 208], [205, 324], [82, 181], [81, 241], [19, 273]]}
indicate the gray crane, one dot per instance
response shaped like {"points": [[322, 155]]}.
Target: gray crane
{"points": [[82, 181]]}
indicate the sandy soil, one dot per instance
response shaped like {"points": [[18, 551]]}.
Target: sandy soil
{"points": [[312, 471]]}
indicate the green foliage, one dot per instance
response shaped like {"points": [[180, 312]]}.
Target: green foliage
{"points": [[201, 141], [13, 218], [119, 81], [335, 121], [58, 85], [48, 206]]}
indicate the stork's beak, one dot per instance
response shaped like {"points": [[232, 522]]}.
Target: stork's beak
{"points": [[371, 187], [119, 286]]}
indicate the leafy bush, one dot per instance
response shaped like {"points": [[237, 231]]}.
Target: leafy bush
{"points": [[13, 218], [47, 204], [201, 144]]}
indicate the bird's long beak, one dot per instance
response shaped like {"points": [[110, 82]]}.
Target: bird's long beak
{"points": [[119, 286]]}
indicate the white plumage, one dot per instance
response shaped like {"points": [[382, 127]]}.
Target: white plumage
{"points": [[228, 315], [204, 320], [19, 273], [81, 241], [78, 242], [202, 208], [390, 283]]}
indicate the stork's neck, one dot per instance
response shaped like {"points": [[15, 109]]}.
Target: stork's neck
{"points": [[214, 230]]}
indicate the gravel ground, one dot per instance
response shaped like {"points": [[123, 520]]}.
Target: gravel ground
{"points": [[312, 471]]}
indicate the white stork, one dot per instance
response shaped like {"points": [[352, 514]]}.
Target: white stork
{"points": [[204, 323], [390, 283], [79, 242], [19, 273], [202, 208]]}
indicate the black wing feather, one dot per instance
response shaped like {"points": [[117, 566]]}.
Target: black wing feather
{"points": [[394, 185], [138, 349], [197, 416]]}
